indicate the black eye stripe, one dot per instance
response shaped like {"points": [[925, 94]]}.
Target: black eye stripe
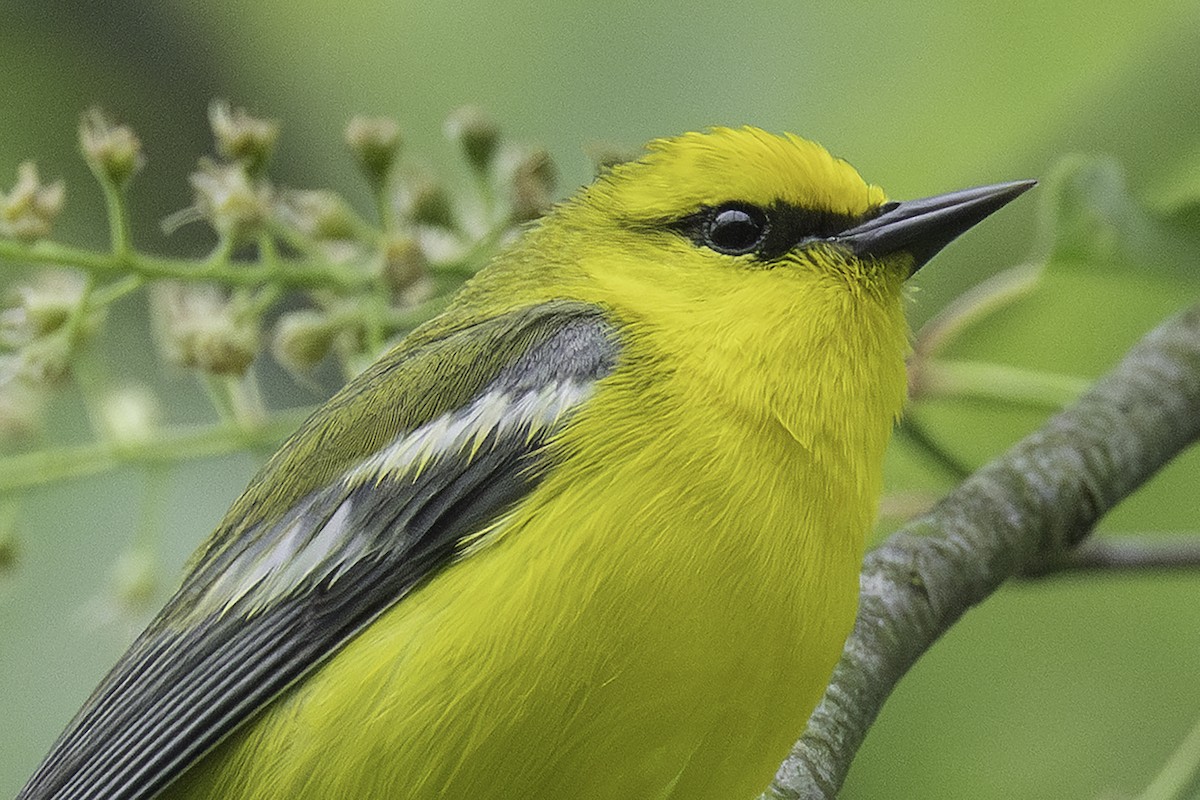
{"points": [[730, 228]]}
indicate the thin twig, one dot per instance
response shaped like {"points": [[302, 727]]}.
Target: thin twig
{"points": [[984, 380], [913, 431], [171, 445], [303, 274], [1180, 776], [1125, 554], [997, 292]]}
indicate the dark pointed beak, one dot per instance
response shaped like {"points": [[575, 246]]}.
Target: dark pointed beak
{"points": [[923, 227]]}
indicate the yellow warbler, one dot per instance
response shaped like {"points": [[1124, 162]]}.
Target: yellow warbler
{"points": [[593, 532]]}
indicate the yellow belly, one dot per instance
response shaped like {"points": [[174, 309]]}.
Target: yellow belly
{"points": [[659, 628]]}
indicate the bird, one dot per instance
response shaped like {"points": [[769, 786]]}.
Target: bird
{"points": [[592, 532]]}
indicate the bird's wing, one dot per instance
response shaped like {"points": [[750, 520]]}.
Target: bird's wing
{"points": [[279, 590]]}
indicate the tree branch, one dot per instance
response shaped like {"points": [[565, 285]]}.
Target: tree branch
{"points": [[1027, 508]]}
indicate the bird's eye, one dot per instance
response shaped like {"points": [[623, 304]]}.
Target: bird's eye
{"points": [[735, 229]]}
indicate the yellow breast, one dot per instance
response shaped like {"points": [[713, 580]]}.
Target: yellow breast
{"points": [[660, 617]]}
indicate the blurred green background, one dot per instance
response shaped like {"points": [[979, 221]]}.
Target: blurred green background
{"points": [[1074, 687]]}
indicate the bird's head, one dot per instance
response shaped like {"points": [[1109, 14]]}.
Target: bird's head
{"points": [[737, 224], [698, 213], [736, 248], [730, 201]]}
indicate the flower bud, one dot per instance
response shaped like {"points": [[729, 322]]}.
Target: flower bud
{"points": [[46, 304], [404, 263], [28, 211], [47, 362], [234, 204], [321, 215], [375, 142], [302, 339], [533, 180], [221, 348], [22, 405], [476, 133], [242, 138], [200, 329], [606, 155], [425, 201], [130, 415], [113, 152]]}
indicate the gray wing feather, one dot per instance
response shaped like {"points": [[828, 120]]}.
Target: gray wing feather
{"points": [[183, 687]]}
